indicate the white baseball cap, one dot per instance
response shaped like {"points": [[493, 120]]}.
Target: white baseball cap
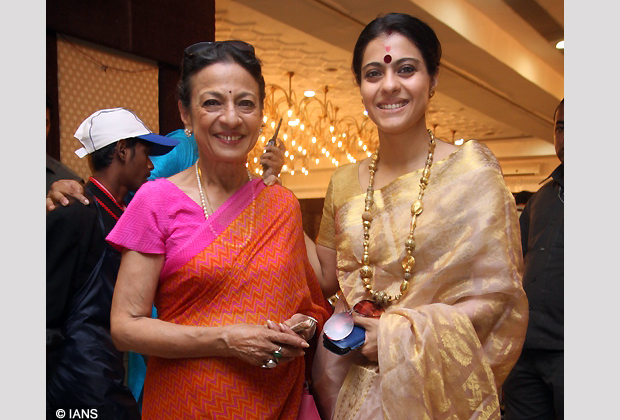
{"points": [[108, 126]]}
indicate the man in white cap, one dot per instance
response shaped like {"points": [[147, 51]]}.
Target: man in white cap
{"points": [[84, 369]]}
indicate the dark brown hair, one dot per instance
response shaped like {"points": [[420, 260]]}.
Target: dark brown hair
{"points": [[218, 52], [418, 32]]}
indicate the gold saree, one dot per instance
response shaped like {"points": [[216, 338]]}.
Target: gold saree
{"points": [[449, 343]]}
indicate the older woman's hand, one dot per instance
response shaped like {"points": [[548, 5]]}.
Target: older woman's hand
{"points": [[256, 344], [371, 325], [273, 157], [60, 190], [302, 325], [272, 180]]}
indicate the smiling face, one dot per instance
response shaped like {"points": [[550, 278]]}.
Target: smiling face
{"points": [[224, 112], [395, 90]]}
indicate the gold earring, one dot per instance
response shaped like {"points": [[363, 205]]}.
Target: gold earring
{"points": [[431, 94]]}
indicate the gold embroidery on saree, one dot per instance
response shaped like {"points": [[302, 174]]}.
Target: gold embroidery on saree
{"points": [[356, 385]]}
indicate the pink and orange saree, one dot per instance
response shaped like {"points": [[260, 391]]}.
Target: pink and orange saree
{"points": [[246, 263]]}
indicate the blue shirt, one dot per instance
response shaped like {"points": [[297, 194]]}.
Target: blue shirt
{"points": [[181, 157]]}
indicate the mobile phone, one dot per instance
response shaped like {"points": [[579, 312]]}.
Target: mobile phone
{"points": [[355, 339], [272, 142], [303, 325]]}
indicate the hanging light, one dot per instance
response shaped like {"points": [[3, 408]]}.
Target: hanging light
{"points": [[312, 128]]}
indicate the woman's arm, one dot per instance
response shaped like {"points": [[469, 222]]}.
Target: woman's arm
{"points": [[329, 279], [323, 261], [133, 329], [314, 259]]}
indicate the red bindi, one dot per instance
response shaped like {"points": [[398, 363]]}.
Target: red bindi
{"points": [[387, 59], [388, 48]]}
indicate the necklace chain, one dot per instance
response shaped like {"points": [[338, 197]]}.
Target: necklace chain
{"points": [[204, 198], [366, 272]]}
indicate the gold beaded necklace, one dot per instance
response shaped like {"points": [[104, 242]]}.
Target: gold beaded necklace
{"points": [[366, 272], [204, 199]]}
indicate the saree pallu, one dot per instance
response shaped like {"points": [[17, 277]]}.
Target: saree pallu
{"points": [[247, 263], [448, 344]]}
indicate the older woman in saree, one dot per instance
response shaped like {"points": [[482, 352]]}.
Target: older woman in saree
{"points": [[222, 258]]}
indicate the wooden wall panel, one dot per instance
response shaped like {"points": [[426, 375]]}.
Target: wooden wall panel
{"points": [[52, 142], [157, 30], [169, 118], [106, 23], [162, 29]]}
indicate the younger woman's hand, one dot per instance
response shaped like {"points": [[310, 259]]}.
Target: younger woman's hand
{"points": [[371, 325]]}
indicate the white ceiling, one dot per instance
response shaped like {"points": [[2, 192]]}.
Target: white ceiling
{"points": [[500, 81]]}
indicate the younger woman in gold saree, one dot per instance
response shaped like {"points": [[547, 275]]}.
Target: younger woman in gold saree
{"points": [[426, 234]]}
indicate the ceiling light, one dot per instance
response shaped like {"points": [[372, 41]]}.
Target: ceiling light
{"points": [[307, 126]]}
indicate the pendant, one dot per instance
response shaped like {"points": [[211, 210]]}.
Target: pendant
{"points": [[368, 308]]}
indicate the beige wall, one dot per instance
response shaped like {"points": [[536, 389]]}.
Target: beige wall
{"points": [[84, 87]]}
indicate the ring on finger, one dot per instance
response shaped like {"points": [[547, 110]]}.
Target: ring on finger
{"points": [[278, 353], [270, 364]]}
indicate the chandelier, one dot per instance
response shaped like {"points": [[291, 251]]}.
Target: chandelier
{"points": [[313, 133]]}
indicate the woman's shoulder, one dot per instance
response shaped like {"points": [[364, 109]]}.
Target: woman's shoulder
{"points": [[444, 150], [280, 193], [155, 194], [348, 172], [345, 179], [151, 187], [472, 155]]}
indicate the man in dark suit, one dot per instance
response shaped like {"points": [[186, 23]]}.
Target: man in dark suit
{"points": [[534, 390]]}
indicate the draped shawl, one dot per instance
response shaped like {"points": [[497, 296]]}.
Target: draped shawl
{"points": [[448, 344]]}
